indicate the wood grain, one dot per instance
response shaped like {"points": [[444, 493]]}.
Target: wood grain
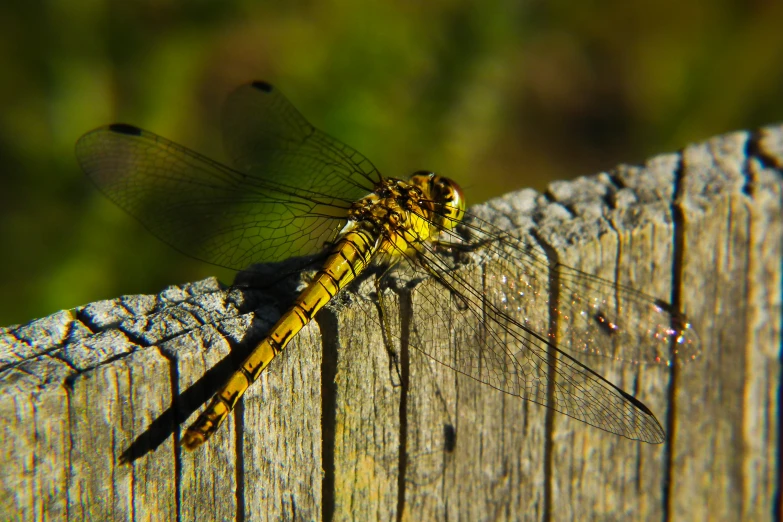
{"points": [[336, 429]]}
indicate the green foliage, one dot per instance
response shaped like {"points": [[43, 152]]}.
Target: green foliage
{"points": [[498, 95]]}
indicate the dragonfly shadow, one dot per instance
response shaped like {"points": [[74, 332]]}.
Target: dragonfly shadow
{"points": [[185, 403], [270, 285], [188, 401]]}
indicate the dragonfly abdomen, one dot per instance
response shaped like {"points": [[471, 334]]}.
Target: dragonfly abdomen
{"points": [[349, 257]]}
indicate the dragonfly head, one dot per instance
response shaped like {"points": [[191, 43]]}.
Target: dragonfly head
{"points": [[446, 195]]}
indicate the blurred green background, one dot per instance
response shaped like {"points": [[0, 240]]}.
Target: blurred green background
{"points": [[498, 95]]}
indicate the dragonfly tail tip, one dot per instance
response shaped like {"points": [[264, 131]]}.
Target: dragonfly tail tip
{"points": [[193, 439]]}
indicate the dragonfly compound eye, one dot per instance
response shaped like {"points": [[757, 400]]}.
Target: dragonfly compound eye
{"points": [[445, 194], [451, 202]]}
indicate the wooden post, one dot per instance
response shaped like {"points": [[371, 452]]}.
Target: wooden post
{"points": [[334, 430]]}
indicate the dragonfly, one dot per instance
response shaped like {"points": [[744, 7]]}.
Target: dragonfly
{"points": [[292, 191]]}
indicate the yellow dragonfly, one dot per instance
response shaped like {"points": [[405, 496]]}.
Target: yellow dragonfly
{"points": [[292, 190]]}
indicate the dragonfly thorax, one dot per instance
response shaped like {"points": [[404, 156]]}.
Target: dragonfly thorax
{"points": [[402, 214]]}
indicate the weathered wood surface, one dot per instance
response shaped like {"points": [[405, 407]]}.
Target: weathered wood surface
{"points": [[322, 433]]}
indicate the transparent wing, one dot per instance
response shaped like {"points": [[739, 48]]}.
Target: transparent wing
{"points": [[265, 136], [595, 316], [288, 196], [498, 323], [497, 349]]}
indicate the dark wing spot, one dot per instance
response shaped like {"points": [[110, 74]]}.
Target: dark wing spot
{"points": [[679, 320], [124, 128], [263, 86], [663, 305], [636, 402]]}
